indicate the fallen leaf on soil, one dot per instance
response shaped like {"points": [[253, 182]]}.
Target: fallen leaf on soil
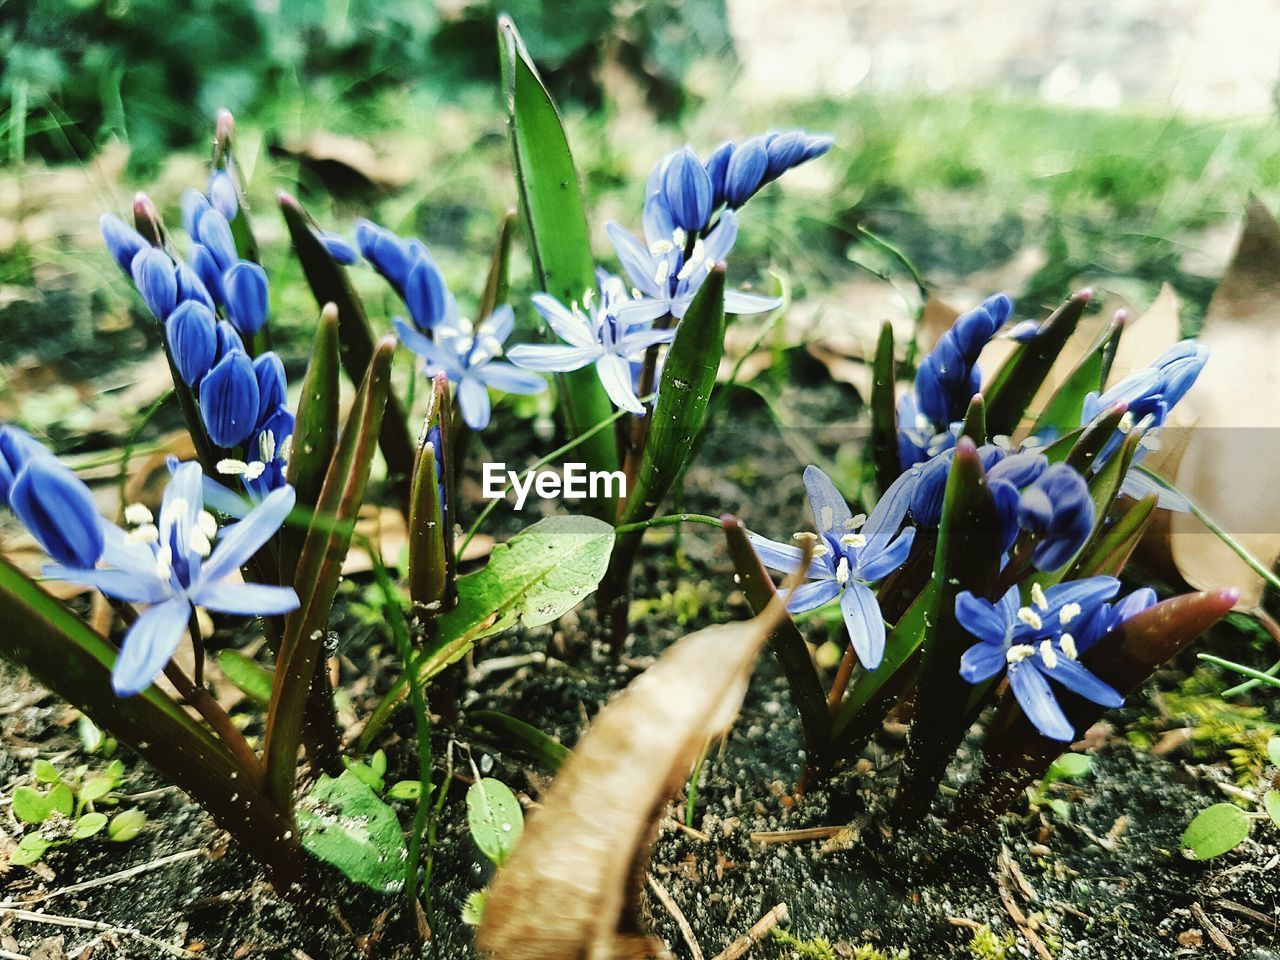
{"points": [[572, 886], [1231, 459]]}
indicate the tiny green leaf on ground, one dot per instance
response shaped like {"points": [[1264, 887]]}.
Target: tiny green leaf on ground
{"points": [[345, 824], [1272, 802], [1215, 831], [30, 805], [249, 677], [126, 825], [495, 818], [1069, 766]]}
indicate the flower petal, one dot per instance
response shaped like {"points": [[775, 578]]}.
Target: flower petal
{"points": [[1072, 675], [877, 566], [416, 341], [981, 619], [473, 398], [122, 584], [235, 547], [865, 624], [615, 374], [785, 558], [888, 514], [551, 358], [635, 259], [645, 310], [814, 594], [509, 378], [982, 661], [830, 511], [568, 327], [246, 599], [740, 303], [149, 645], [1036, 699]]}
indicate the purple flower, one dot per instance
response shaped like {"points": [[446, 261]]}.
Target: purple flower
{"points": [[178, 561], [850, 554], [1035, 644]]}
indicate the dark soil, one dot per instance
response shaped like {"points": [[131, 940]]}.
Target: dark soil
{"points": [[1106, 882]]}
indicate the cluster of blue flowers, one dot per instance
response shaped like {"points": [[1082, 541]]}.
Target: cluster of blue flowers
{"points": [[1044, 640], [171, 562], [208, 307], [441, 337], [684, 239]]}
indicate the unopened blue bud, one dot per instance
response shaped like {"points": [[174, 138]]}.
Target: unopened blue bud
{"points": [[1058, 510], [222, 194], [717, 168], [16, 448], [269, 372], [383, 249], [340, 248], [154, 277], [229, 400], [191, 333], [228, 340], [215, 233], [746, 172], [191, 287], [786, 150], [426, 295], [194, 205], [210, 274], [687, 189], [58, 510], [245, 286], [123, 242]]}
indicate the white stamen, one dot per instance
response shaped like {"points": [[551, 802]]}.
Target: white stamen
{"points": [[238, 468], [1068, 613], [286, 449], [660, 247], [586, 298], [1048, 654], [662, 271], [267, 446], [1126, 422], [855, 540], [827, 518], [144, 533], [842, 571], [855, 522], [1038, 597], [1068, 644], [137, 514], [164, 562], [1019, 652], [1030, 618], [208, 525], [199, 543], [678, 237]]}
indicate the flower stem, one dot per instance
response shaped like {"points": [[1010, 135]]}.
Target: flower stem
{"points": [[841, 683]]}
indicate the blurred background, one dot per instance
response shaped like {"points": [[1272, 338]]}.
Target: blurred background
{"points": [[1020, 145]]}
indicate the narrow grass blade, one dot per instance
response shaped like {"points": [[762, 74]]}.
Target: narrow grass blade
{"points": [[884, 417]]}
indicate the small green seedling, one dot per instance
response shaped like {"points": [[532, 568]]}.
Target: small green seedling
{"points": [[373, 775], [1069, 766], [62, 808], [496, 821], [1222, 827]]}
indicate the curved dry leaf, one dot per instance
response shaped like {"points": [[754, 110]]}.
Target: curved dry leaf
{"points": [[572, 886], [1231, 460]]}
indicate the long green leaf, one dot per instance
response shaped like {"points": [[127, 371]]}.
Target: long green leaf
{"points": [[329, 284], [1062, 412], [430, 528], [884, 417], [319, 571], [555, 218], [512, 735], [786, 642], [62, 653]]}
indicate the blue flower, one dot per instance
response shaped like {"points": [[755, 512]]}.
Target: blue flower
{"points": [[222, 194], [1059, 512], [666, 279], [191, 332], [58, 510], [213, 231], [686, 190], [427, 295], [194, 204], [16, 448], [229, 400], [266, 465], [176, 562], [245, 292], [272, 385], [123, 242], [739, 171], [1034, 644], [154, 277], [340, 248], [602, 336], [206, 268], [850, 554], [467, 356], [388, 254]]}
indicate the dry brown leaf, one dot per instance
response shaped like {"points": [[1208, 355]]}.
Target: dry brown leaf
{"points": [[572, 886], [1147, 336], [1231, 461]]}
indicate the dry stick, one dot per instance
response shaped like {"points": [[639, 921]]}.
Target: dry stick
{"points": [[56, 921], [1020, 921], [794, 836], [1249, 913], [1217, 936], [841, 682], [759, 930], [677, 914], [7, 955], [101, 881]]}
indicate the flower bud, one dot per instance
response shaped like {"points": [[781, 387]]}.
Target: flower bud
{"points": [[191, 287], [193, 340], [229, 400], [58, 510], [687, 189], [383, 249], [747, 168], [123, 242], [194, 205], [717, 169], [222, 194], [1058, 510], [16, 448], [215, 233], [269, 372], [228, 340], [210, 274], [425, 294], [154, 277], [340, 248], [245, 287]]}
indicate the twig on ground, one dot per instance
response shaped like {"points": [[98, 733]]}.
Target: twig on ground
{"points": [[101, 881], [1216, 935], [965, 922], [1257, 916], [795, 836], [759, 930], [56, 921], [1005, 881], [677, 914]]}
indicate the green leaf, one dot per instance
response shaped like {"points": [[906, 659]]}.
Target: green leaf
{"points": [[344, 824], [430, 541], [88, 825], [1215, 831], [315, 435], [1062, 412], [1273, 751], [1069, 766], [884, 415], [90, 735], [405, 790], [364, 773], [126, 825], [554, 215], [31, 806], [249, 677], [30, 849], [61, 799], [95, 787], [1016, 383], [515, 736], [319, 569], [495, 818], [473, 908], [329, 284], [45, 772], [1271, 801], [378, 762], [1060, 808]]}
